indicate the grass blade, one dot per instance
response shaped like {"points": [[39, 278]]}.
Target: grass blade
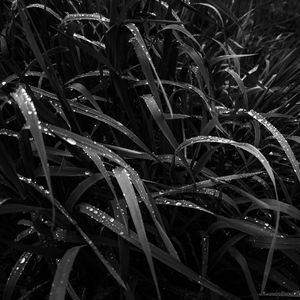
{"points": [[281, 140], [15, 274], [247, 147], [80, 189], [85, 237], [61, 278], [145, 60], [159, 119], [241, 86], [157, 253], [236, 254], [29, 112], [125, 184]]}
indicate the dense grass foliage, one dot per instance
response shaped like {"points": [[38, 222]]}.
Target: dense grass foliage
{"points": [[149, 149]]}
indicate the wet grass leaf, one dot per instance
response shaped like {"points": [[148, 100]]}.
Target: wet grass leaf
{"points": [[15, 274], [236, 254], [61, 278], [281, 140], [33, 123], [157, 253], [125, 184], [148, 66]]}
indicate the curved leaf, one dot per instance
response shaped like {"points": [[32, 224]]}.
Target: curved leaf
{"points": [[61, 278]]}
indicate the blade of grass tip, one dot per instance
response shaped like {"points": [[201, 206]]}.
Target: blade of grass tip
{"points": [[61, 278], [236, 254], [145, 60], [157, 253], [125, 184], [15, 274]]}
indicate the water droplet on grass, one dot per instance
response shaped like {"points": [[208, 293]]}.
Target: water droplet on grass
{"points": [[71, 141], [22, 260]]}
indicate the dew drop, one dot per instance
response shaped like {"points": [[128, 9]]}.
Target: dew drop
{"points": [[71, 141], [22, 260]]}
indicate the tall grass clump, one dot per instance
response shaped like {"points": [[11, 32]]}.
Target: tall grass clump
{"points": [[149, 149]]}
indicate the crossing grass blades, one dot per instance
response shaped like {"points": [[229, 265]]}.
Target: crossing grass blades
{"points": [[149, 150]]}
